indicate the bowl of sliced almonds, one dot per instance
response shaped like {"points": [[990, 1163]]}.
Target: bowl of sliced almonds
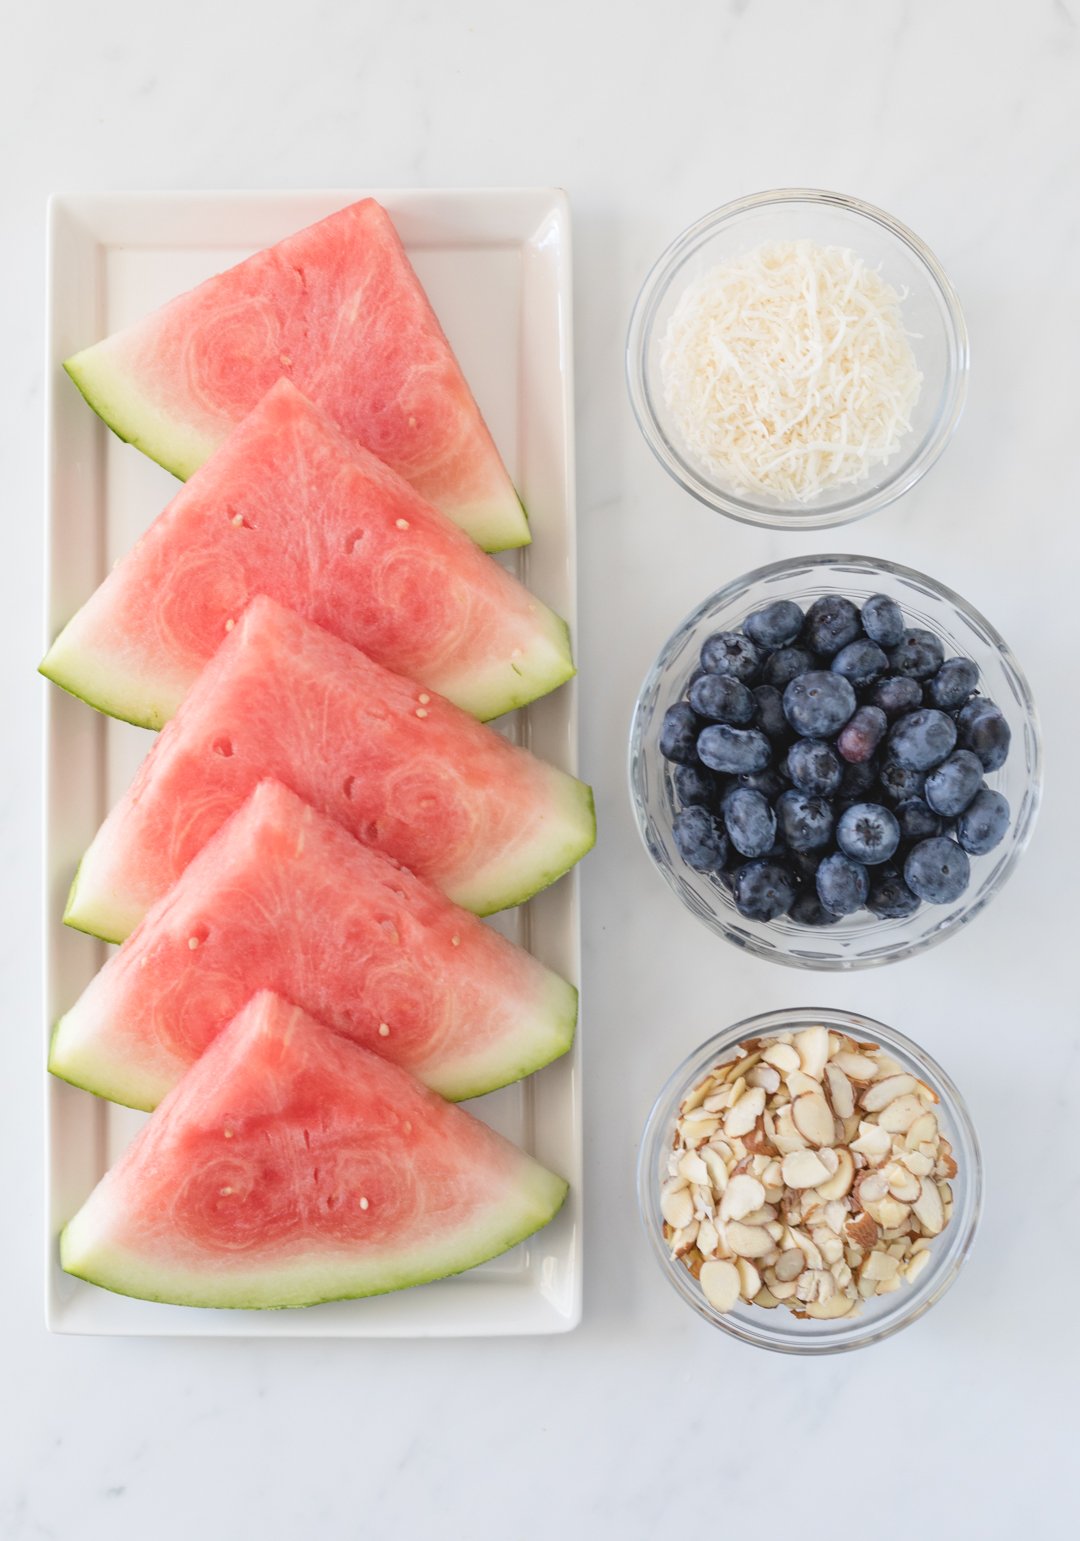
{"points": [[810, 1181]]}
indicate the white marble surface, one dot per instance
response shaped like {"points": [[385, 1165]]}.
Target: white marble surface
{"points": [[960, 117]]}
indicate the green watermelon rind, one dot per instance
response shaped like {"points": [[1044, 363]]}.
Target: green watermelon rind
{"points": [[484, 699], [537, 1197], [478, 1074], [127, 413]]}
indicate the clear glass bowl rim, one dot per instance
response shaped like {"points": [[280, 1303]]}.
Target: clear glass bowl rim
{"points": [[849, 505], [914, 1300], [1020, 834]]}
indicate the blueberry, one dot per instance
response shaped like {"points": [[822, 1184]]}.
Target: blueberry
{"points": [[868, 833], [883, 620], [983, 823], [922, 739], [890, 898], [858, 739], [842, 884], [775, 625], [937, 870], [734, 750], [696, 787], [917, 821], [700, 839], [831, 623], [861, 662], [766, 781], [900, 783], [954, 682], [679, 734], [764, 890], [856, 784], [954, 783], [813, 767], [749, 821], [918, 654], [805, 821], [782, 667], [729, 652], [897, 695], [818, 703], [808, 910], [985, 732], [720, 698], [769, 712]]}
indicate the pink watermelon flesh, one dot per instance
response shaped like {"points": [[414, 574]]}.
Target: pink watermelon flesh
{"points": [[282, 898], [402, 769], [288, 507], [338, 310], [290, 1166]]}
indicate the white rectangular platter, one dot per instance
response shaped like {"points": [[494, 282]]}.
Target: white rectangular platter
{"points": [[496, 264]]}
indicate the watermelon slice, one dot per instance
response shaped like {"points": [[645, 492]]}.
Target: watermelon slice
{"points": [[290, 1166], [288, 507], [282, 898], [405, 771], [338, 310]]}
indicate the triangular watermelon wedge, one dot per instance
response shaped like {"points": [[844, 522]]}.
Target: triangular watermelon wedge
{"points": [[290, 1167], [337, 309], [484, 820], [289, 507], [283, 898]]}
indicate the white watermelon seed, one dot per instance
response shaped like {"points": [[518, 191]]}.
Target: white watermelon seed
{"points": [[420, 712], [237, 518], [225, 1192], [402, 524], [227, 1133], [455, 941], [229, 624], [384, 1030], [363, 1203], [424, 699], [193, 942]]}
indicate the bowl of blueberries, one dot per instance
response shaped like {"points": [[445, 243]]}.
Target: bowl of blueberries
{"points": [[835, 762]]}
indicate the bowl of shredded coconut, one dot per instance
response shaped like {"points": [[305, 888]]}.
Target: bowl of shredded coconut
{"points": [[797, 359]]}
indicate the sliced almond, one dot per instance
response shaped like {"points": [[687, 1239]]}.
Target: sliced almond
{"points": [[808, 1247], [742, 1195], [917, 1265], [783, 1289], [837, 1186], [927, 1093], [928, 1208], [916, 1163], [862, 1231], [827, 1310], [748, 1240], [885, 1065], [813, 1118], [889, 1213], [676, 1205], [872, 1188], [900, 1114], [683, 1240], [812, 1047], [830, 1159], [782, 1055], [804, 1169], [714, 1166], [708, 1238], [841, 1092], [766, 1299], [790, 1264], [749, 1278], [720, 1285], [745, 1113], [922, 1131], [765, 1076], [903, 1184], [835, 1214], [857, 1067], [816, 1284], [878, 1266], [882, 1092], [763, 1216], [873, 1143]]}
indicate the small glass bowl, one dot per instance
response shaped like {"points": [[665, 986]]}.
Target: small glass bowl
{"points": [[880, 1316], [862, 940], [932, 316]]}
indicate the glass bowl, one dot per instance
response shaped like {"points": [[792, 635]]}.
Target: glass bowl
{"points": [[931, 312], [860, 940], [880, 1316]]}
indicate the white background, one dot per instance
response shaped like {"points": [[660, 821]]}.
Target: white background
{"points": [[963, 118]]}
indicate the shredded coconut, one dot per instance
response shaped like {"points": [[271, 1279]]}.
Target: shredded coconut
{"points": [[788, 370]]}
